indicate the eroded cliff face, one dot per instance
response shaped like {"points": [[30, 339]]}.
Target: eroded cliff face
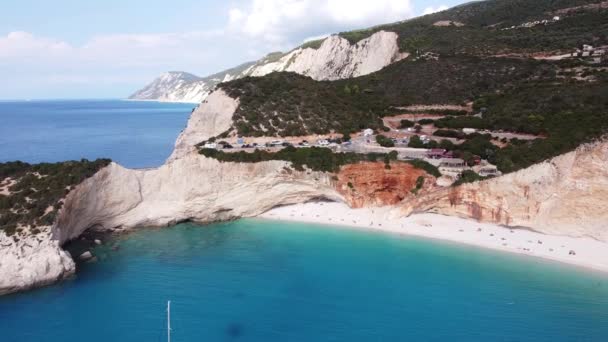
{"points": [[373, 185], [567, 195], [211, 118], [189, 188], [32, 261], [336, 58]]}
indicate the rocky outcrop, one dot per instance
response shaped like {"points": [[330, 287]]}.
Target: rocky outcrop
{"points": [[179, 86], [210, 119], [336, 58], [174, 86], [566, 195], [32, 261], [374, 185], [189, 188]]}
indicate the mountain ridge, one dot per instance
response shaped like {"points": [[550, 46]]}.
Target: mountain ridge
{"points": [[483, 28], [331, 58]]}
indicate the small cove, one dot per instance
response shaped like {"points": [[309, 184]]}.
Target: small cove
{"points": [[258, 280]]}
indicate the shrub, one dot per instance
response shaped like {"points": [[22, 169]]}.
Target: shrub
{"points": [[415, 142], [426, 121], [447, 133], [406, 123], [427, 167], [384, 141], [24, 205], [468, 176]]}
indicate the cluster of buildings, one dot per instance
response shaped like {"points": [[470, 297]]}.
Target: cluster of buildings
{"points": [[534, 23], [453, 167], [589, 51]]}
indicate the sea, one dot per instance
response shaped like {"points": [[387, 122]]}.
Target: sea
{"points": [[131, 133], [260, 280]]}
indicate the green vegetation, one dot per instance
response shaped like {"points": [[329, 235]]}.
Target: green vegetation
{"points": [[449, 134], [384, 141], [314, 158], [34, 198], [287, 104], [419, 185], [406, 124], [564, 103], [415, 142], [468, 176], [313, 44], [482, 32], [429, 168]]}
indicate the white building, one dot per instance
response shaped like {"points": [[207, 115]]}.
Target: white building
{"points": [[368, 132]]}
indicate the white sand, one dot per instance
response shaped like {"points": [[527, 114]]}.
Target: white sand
{"points": [[589, 253]]}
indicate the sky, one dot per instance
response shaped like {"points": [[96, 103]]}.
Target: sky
{"points": [[110, 48]]}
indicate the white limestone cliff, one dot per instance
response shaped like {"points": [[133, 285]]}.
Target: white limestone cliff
{"points": [[335, 59], [567, 195], [174, 86], [191, 187], [210, 119], [32, 261]]}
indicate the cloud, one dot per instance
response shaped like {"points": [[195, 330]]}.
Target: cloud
{"points": [[39, 66], [283, 21], [19, 43], [431, 10]]}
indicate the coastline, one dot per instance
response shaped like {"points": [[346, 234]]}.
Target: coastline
{"points": [[160, 101], [589, 253]]}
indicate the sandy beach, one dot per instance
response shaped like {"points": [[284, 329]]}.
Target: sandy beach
{"points": [[588, 253]]}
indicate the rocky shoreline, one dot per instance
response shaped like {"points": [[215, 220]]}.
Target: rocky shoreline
{"points": [[562, 196]]}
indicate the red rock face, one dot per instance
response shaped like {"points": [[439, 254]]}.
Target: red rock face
{"points": [[372, 184]]}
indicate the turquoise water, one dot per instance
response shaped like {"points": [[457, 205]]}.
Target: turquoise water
{"points": [[135, 134], [256, 280]]}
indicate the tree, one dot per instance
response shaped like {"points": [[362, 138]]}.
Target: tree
{"points": [[384, 141], [406, 124], [415, 142], [446, 144]]}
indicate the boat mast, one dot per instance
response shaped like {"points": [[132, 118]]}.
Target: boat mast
{"points": [[169, 321]]}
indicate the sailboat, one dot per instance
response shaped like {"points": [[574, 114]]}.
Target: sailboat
{"points": [[168, 321]]}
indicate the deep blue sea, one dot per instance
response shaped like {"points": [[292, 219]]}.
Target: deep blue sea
{"points": [[134, 134], [256, 280]]}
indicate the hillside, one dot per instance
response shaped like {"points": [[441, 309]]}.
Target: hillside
{"points": [[32, 195], [329, 59], [559, 101], [487, 28], [185, 87], [497, 27]]}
